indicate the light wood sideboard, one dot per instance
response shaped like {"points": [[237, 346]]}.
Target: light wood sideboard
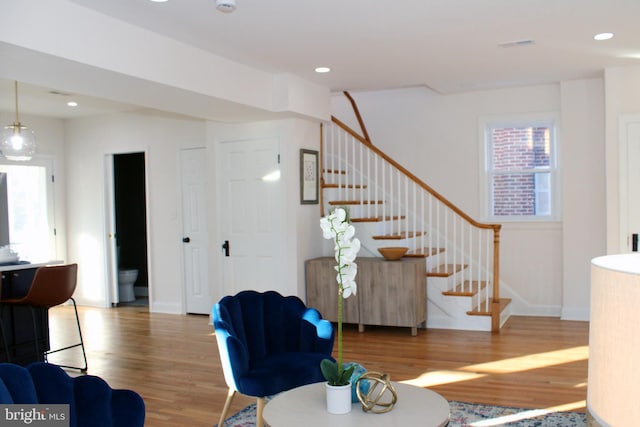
{"points": [[390, 293]]}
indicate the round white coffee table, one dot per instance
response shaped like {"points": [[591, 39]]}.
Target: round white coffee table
{"points": [[306, 406]]}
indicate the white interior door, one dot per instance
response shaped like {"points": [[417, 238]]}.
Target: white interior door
{"points": [[629, 181], [195, 235], [251, 215]]}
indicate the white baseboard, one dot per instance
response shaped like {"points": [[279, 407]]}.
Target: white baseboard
{"points": [[575, 313], [165, 308]]}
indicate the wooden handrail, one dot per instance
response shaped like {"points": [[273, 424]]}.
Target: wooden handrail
{"points": [[495, 300], [367, 140], [416, 179], [321, 173]]}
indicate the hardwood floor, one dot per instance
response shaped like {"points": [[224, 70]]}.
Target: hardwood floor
{"points": [[172, 361]]}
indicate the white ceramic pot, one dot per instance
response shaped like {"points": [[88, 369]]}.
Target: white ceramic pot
{"points": [[338, 399]]}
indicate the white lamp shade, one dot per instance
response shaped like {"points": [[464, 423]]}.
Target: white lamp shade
{"points": [[18, 142], [614, 340]]}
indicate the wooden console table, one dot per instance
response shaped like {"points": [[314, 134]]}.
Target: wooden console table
{"points": [[390, 293]]}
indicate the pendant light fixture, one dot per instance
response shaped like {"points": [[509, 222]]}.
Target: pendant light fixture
{"points": [[18, 141]]}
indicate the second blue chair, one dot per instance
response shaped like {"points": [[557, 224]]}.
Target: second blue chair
{"points": [[268, 344]]}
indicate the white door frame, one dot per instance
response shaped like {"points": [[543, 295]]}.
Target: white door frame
{"points": [[624, 122], [111, 258]]}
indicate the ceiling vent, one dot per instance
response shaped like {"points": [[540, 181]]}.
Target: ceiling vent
{"points": [[517, 43]]}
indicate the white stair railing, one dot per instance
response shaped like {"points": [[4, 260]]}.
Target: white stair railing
{"points": [[407, 212]]}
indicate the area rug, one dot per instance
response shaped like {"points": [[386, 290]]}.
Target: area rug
{"points": [[467, 415]]}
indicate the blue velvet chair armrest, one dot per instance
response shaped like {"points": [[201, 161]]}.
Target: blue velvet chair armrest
{"points": [[321, 336]]}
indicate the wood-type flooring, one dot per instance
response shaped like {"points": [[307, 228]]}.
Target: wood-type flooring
{"points": [[173, 362]]}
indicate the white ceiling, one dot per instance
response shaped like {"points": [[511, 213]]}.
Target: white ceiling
{"points": [[449, 46]]}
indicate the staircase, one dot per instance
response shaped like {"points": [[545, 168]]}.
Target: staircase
{"points": [[391, 207]]}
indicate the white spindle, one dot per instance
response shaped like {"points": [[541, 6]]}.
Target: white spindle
{"points": [[404, 209], [390, 194], [366, 176], [353, 176]]}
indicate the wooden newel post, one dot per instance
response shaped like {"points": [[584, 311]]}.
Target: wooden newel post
{"points": [[495, 302]]}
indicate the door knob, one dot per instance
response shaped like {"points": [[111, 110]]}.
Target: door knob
{"points": [[226, 247], [186, 239]]}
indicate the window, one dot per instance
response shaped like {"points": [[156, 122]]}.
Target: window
{"points": [[29, 211], [520, 170]]}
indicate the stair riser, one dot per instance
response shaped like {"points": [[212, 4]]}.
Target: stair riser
{"points": [[380, 228], [451, 313], [357, 211], [345, 194], [444, 311]]}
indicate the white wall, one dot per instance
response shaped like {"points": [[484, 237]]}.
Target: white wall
{"points": [[308, 235], [88, 141], [622, 90], [544, 266], [584, 202], [436, 137]]}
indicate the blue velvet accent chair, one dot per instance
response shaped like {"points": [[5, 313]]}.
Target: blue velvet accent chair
{"points": [[92, 402], [268, 344]]}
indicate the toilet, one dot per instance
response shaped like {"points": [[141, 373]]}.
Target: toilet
{"points": [[126, 279]]}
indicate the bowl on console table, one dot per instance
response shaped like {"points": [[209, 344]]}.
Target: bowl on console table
{"points": [[393, 253]]}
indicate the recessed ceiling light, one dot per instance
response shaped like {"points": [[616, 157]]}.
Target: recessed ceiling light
{"points": [[72, 104], [322, 69], [159, 1], [603, 36], [226, 6]]}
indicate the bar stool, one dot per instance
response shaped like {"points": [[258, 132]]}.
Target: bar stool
{"points": [[51, 286]]}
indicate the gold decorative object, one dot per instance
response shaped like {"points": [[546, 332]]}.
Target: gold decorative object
{"points": [[393, 253], [381, 395]]}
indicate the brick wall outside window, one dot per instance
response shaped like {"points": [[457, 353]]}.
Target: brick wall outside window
{"points": [[516, 152]]}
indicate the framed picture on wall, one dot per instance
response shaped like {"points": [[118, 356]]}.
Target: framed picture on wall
{"points": [[309, 184]]}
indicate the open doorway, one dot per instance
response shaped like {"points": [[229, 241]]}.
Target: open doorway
{"points": [[131, 228]]}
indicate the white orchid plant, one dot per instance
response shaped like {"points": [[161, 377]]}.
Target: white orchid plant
{"points": [[336, 227]]}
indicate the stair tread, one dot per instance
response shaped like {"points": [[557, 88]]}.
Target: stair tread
{"points": [[336, 171], [355, 202], [378, 219], [445, 270], [424, 252], [504, 302], [466, 289], [400, 235], [356, 186]]}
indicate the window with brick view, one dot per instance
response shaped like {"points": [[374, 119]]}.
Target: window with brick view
{"points": [[521, 167]]}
